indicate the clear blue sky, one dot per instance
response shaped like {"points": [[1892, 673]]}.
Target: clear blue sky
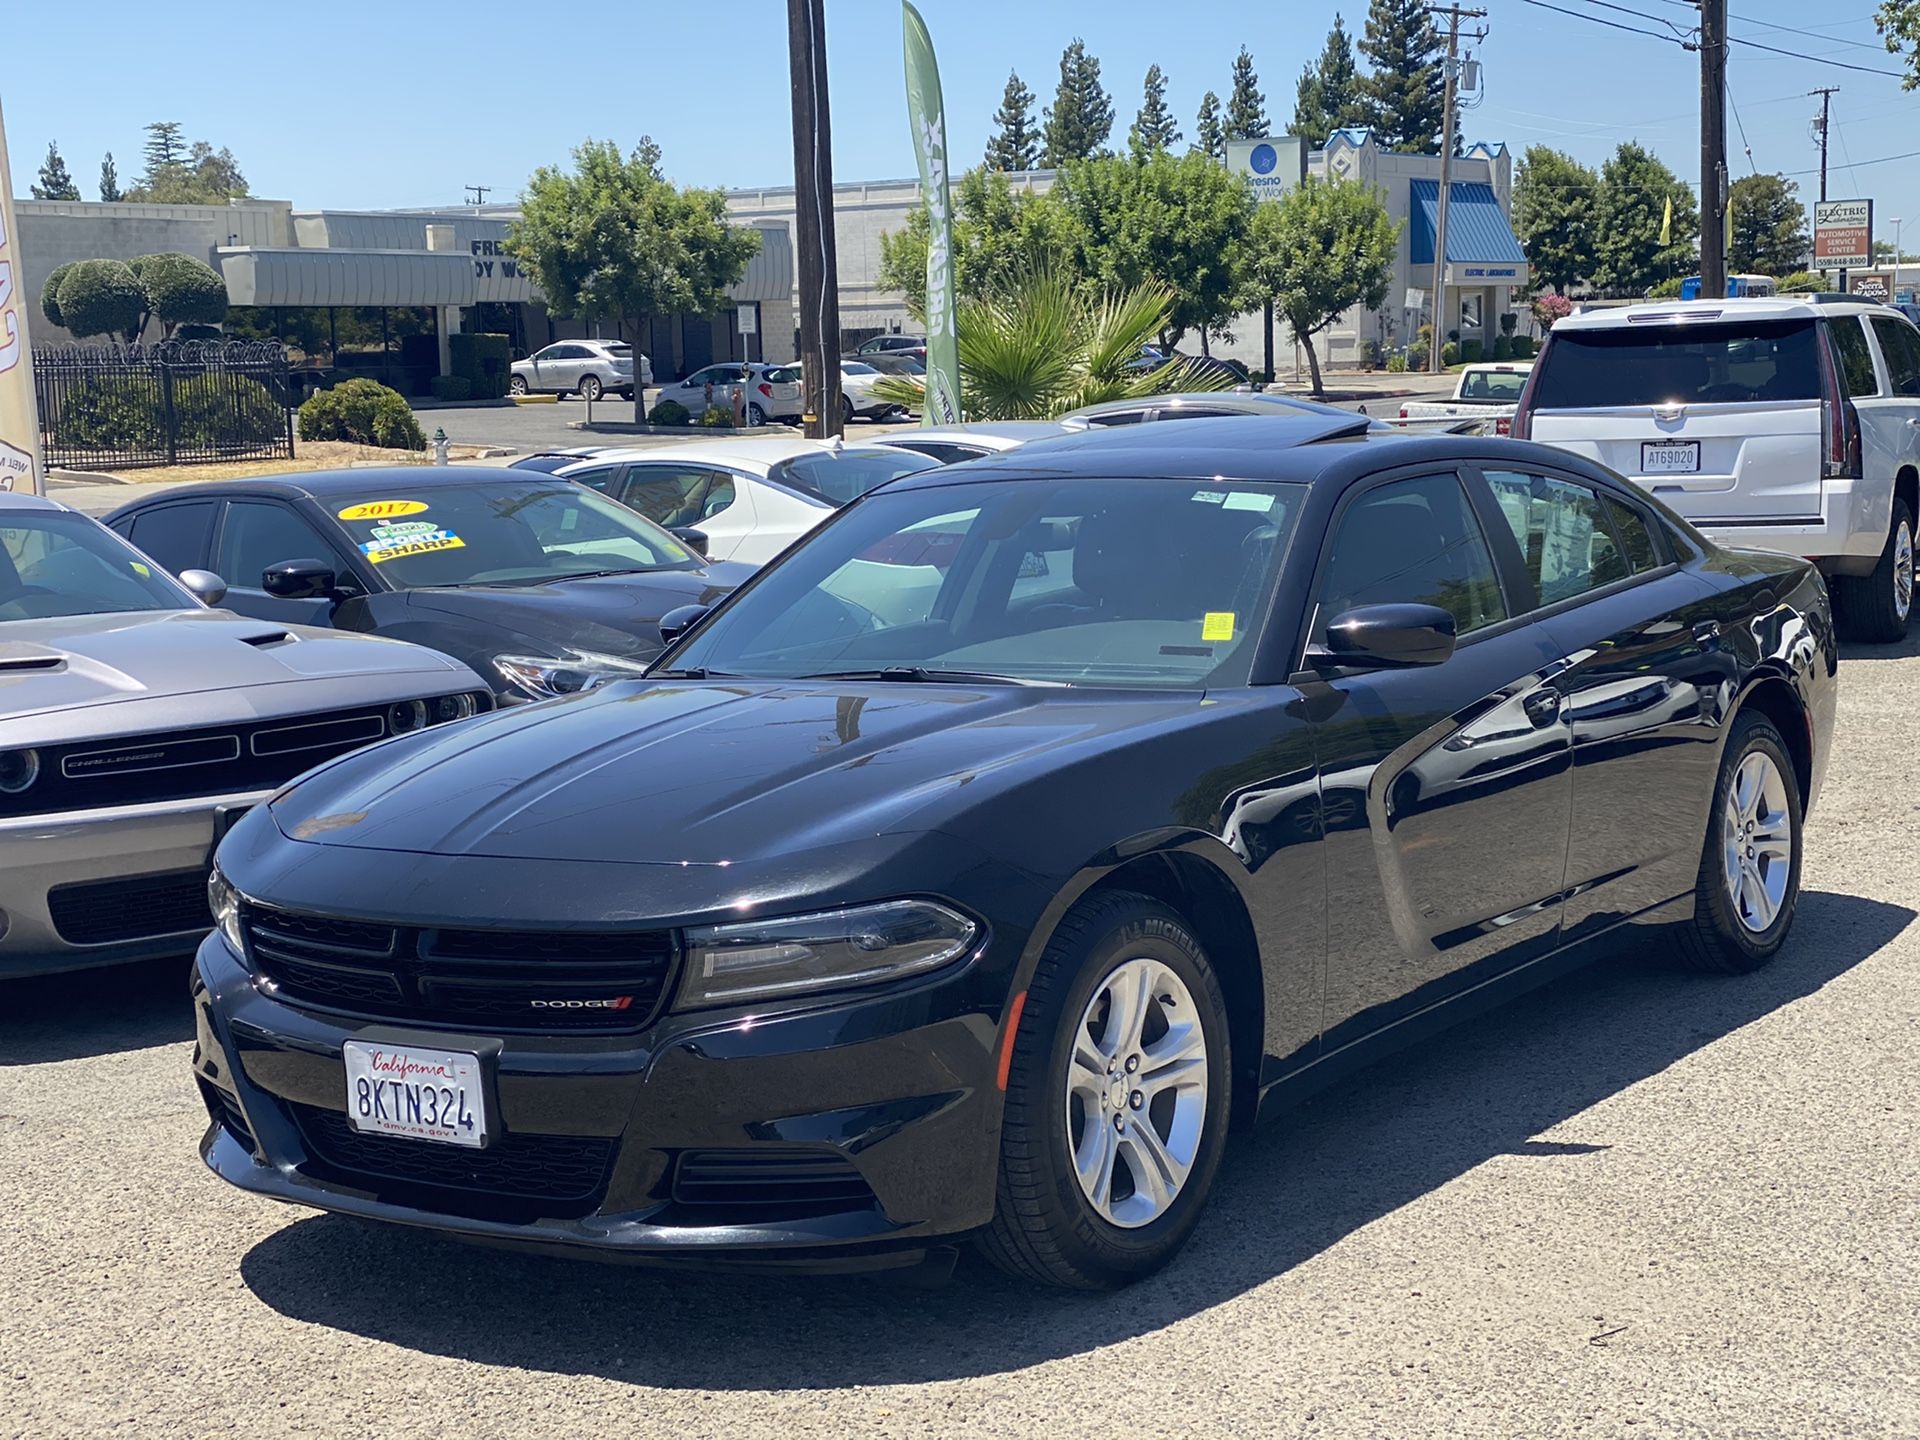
{"points": [[351, 103]]}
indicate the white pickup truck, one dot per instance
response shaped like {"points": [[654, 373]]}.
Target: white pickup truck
{"points": [[1484, 392], [1789, 423]]}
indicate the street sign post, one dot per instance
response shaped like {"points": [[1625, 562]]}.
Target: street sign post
{"points": [[1842, 234]]}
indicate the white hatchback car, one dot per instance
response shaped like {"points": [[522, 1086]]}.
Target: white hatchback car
{"points": [[1788, 423], [772, 392], [750, 497]]}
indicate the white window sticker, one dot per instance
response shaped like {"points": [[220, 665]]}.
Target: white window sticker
{"points": [[1249, 500]]}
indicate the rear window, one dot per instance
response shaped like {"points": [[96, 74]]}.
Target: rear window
{"points": [[843, 476], [1689, 364]]}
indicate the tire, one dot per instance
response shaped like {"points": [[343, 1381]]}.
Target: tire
{"points": [[1723, 935], [755, 415], [1879, 607], [590, 387], [846, 410], [517, 385], [1047, 1226]]}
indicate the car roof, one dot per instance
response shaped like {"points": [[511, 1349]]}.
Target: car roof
{"points": [[1245, 402], [20, 500], [1013, 432], [308, 484], [1745, 307]]}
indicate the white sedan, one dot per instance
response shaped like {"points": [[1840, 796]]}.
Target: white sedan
{"points": [[749, 498]]}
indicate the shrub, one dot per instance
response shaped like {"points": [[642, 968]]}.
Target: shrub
{"points": [[1450, 354], [110, 413], [1370, 354], [1549, 308], [1416, 357], [1800, 280], [1503, 347], [1524, 347], [181, 290], [1667, 289], [364, 412], [483, 361], [128, 412], [452, 387], [1508, 322], [226, 409], [101, 297], [1397, 363], [669, 412], [199, 332], [1472, 352], [717, 417], [50, 293]]}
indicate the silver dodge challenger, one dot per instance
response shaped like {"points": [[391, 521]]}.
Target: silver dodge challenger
{"points": [[136, 724]]}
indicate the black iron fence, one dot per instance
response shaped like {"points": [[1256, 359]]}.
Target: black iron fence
{"points": [[181, 402]]}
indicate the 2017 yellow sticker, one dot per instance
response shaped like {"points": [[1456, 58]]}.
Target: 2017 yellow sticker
{"points": [[382, 509], [1216, 625]]}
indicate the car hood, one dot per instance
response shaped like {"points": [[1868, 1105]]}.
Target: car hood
{"points": [[711, 773], [611, 615], [68, 663]]}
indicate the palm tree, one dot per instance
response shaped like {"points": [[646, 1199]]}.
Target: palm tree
{"points": [[1045, 345]]}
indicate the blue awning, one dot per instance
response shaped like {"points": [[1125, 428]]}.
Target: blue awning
{"points": [[1477, 230]]}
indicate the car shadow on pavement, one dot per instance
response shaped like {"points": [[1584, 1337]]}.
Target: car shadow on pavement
{"points": [[94, 1012], [1905, 649], [1366, 1147]]}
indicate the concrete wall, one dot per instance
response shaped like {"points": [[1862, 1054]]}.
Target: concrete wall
{"points": [[54, 232]]}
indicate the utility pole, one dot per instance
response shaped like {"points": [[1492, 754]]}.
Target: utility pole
{"points": [[477, 195], [1454, 16], [813, 219], [1826, 94], [1713, 149]]}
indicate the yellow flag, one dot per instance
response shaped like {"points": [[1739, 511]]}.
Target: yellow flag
{"points": [[1666, 224], [1728, 231]]}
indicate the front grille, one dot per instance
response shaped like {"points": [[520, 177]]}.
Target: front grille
{"points": [[565, 1173], [100, 912], [781, 1182], [224, 760], [494, 980]]}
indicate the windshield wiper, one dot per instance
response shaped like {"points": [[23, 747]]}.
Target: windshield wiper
{"points": [[921, 675], [694, 672]]}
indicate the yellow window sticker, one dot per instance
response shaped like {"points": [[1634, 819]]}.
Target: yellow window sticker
{"points": [[382, 509], [142, 571], [1218, 625]]}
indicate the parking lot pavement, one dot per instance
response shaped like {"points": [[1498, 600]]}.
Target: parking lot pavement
{"points": [[1639, 1202]]}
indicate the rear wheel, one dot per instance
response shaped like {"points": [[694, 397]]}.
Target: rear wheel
{"points": [[1117, 1099], [846, 409], [756, 416], [1749, 881], [517, 385], [1878, 607], [590, 387]]}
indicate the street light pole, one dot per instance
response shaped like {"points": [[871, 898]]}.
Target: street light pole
{"points": [[1896, 257], [1454, 16], [813, 219]]}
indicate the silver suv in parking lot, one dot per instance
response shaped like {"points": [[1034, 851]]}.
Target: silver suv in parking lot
{"points": [[588, 368]]}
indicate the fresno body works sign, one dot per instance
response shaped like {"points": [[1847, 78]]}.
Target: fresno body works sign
{"points": [[19, 419]]}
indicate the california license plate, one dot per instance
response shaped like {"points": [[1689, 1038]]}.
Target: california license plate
{"points": [[1669, 457], [421, 1094]]}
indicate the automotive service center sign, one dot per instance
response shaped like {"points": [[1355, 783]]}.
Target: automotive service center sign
{"points": [[19, 417], [1842, 234]]}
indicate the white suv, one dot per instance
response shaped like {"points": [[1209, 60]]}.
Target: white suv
{"points": [[1785, 423]]}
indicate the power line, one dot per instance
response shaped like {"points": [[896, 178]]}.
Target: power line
{"points": [[1861, 164], [1811, 34], [1815, 59], [1612, 24], [1740, 124]]}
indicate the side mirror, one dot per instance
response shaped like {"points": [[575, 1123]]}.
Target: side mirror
{"points": [[205, 586], [1389, 637], [694, 540], [298, 580], [677, 622]]}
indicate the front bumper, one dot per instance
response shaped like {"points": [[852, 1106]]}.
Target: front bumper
{"points": [[170, 841], [890, 1097]]}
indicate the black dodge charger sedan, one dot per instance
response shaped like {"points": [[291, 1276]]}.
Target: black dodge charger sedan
{"points": [[540, 585], [979, 864]]}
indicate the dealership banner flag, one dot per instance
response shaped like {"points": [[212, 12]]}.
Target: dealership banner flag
{"points": [[19, 419], [927, 114]]}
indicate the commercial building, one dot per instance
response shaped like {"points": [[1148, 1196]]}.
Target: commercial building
{"points": [[380, 292]]}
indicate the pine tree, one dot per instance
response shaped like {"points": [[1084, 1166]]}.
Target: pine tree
{"points": [[1153, 128], [166, 148], [1405, 94], [55, 182], [1016, 143], [1081, 116], [109, 180], [1207, 137], [1246, 106], [1329, 97]]}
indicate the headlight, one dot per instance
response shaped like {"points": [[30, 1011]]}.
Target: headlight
{"points": [[224, 901], [445, 708], [835, 949], [544, 676], [406, 717], [18, 770]]}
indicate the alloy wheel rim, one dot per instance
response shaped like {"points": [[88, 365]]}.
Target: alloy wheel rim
{"points": [[1903, 570], [1136, 1093], [1756, 836]]}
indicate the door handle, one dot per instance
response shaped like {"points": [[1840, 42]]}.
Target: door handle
{"points": [[1543, 707], [1707, 633]]}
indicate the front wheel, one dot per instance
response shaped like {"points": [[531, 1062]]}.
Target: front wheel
{"points": [[1749, 881], [846, 409], [517, 385], [1878, 607], [590, 388], [1118, 1094]]}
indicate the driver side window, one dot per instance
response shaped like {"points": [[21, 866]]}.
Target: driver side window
{"points": [[260, 533], [1413, 542]]}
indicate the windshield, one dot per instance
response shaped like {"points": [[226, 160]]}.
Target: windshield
{"points": [[858, 367], [1082, 582], [522, 531], [1680, 364], [842, 476], [53, 563]]}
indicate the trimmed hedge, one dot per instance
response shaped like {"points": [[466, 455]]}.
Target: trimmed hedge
{"points": [[1450, 353], [717, 417], [128, 413], [452, 387], [181, 290], [100, 297], [483, 361], [364, 412], [1524, 347], [669, 412], [1503, 347], [1472, 352], [50, 293]]}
